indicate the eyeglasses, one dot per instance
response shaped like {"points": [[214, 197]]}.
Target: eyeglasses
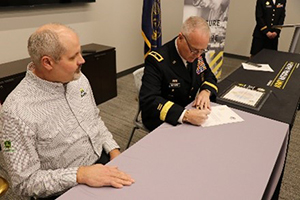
{"points": [[195, 51]]}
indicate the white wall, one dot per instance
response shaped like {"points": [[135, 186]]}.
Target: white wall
{"points": [[114, 23], [118, 23], [172, 14], [241, 24]]}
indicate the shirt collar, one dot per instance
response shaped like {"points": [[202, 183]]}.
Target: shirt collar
{"points": [[183, 60], [44, 84]]}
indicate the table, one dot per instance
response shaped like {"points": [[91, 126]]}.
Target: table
{"points": [[233, 161], [282, 104]]}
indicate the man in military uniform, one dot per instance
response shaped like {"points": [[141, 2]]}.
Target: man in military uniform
{"points": [[177, 74], [268, 13]]}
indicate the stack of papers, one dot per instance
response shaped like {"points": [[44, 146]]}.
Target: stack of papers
{"points": [[221, 115], [257, 67]]}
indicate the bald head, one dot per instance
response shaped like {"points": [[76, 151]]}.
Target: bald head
{"points": [[193, 23], [47, 40]]}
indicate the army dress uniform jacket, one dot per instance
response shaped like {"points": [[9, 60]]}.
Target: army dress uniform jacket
{"points": [[168, 86], [268, 14]]}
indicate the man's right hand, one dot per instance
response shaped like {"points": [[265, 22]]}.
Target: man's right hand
{"points": [[99, 175], [196, 116]]}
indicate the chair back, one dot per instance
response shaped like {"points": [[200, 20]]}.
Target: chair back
{"points": [[138, 74], [138, 124]]}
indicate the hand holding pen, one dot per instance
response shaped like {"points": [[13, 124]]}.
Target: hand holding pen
{"points": [[196, 116]]}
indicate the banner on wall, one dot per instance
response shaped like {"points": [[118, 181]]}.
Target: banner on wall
{"points": [[216, 14], [151, 25]]}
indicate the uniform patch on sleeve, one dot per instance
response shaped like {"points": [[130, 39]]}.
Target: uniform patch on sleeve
{"points": [[263, 28], [159, 107], [210, 85], [156, 55], [165, 110]]}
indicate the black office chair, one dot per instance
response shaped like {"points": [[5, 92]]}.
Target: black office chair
{"points": [[138, 124]]}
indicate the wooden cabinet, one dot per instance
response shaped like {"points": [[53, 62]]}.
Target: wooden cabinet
{"points": [[11, 74], [99, 68]]}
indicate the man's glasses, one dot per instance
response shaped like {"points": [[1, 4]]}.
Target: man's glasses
{"points": [[195, 51]]}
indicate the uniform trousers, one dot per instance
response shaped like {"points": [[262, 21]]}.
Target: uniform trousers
{"points": [[263, 43]]}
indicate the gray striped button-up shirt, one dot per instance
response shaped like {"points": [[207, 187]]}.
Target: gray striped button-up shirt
{"points": [[48, 130]]}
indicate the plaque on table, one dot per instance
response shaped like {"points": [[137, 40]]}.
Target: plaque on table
{"points": [[244, 95]]}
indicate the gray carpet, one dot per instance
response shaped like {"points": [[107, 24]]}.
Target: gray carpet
{"points": [[118, 114]]}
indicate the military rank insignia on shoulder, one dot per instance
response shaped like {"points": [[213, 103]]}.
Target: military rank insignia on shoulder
{"points": [[156, 55]]}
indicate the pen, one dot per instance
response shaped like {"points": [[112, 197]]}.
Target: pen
{"points": [[253, 64]]}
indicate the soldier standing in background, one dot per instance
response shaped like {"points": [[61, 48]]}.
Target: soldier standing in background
{"points": [[268, 13]]}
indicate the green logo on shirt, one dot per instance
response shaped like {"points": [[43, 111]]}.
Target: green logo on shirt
{"points": [[7, 146], [82, 92]]}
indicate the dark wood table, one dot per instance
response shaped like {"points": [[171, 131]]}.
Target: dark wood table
{"points": [[284, 83]]}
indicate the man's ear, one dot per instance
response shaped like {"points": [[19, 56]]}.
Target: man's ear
{"points": [[47, 62], [180, 36]]}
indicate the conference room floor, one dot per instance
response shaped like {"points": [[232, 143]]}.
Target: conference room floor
{"points": [[118, 114]]}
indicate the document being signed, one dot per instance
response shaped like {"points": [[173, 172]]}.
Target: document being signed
{"points": [[221, 114]]}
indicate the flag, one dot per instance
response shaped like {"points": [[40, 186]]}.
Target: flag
{"points": [[151, 25]]}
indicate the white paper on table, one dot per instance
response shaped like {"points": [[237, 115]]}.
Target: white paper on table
{"points": [[263, 67], [221, 114]]}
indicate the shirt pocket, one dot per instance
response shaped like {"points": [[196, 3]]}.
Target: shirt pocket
{"points": [[47, 133], [55, 129]]}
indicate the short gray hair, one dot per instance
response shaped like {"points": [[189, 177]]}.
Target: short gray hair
{"points": [[195, 22], [45, 42]]}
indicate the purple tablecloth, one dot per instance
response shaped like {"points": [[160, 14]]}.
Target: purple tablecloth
{"points": [[231, 161]]}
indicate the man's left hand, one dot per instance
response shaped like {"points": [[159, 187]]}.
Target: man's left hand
{"points": [[202, 100]]}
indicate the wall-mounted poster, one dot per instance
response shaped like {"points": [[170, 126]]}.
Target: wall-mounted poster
{"points": [[216, 14]]}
